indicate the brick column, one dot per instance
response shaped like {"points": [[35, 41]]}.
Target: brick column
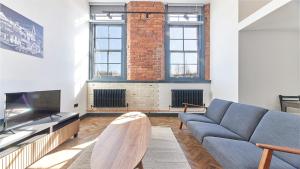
{"points": [[145, 40], [207, 40]]}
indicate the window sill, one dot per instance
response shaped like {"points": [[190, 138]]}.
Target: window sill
{"points": [[141, 81]]}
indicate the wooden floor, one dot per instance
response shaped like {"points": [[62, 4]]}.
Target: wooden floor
{"points": [[91, 127]]}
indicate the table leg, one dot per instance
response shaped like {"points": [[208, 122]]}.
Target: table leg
{"points": [[180, 127], [140, 165]]}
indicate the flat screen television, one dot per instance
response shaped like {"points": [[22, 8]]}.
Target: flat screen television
{"points": [[25, 107]]}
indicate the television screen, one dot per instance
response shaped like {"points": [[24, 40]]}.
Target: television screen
{"points": [[26, 107]]}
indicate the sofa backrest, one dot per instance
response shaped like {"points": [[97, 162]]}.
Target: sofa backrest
{"points": [[216, 109], [280, 129], [242, 119]]}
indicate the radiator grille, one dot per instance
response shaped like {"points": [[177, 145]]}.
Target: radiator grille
{"points": [[109, 98], [186, 96]]}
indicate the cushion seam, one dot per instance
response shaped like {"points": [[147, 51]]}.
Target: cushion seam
{"points": [[265, 112], [224, 137], [223, 112], [230, 131]]}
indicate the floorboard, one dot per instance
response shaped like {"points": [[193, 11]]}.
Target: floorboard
{"points": [[90, 127]]}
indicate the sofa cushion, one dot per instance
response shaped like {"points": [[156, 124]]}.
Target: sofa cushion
{"points": [[201, 130], [185, 117], [242, 119], [236, 154], [216, 109], [280, 129]]}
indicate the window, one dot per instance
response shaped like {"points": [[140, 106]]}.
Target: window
{"points": [[183, 51], [107, 45], [108, 51], [184, 44]]}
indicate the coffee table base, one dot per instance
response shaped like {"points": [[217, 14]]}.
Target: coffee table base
{"points": [[140, 165]]}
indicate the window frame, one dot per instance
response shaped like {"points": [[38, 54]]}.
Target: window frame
{"points": [[92, 38], [200, 45]]}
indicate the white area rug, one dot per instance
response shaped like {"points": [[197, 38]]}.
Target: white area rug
{"points": [[164, 152]]}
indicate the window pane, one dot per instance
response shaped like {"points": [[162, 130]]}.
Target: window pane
{"points": [[187, 18], [101, 44], [115, 57], [177, 70], [100, 70], [173, 17], [191, 70], [115, 32], [176, 45], [115, 44], [190, 45], [176, 33], [192, 17], [100, 57], [191, 58], [111, 17], [183, 18], [177, 58], [101, 31], [114, 70], [116, 17], [190, 33]]}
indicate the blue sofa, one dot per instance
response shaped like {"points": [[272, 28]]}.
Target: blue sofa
{"points": [[230, 132]]}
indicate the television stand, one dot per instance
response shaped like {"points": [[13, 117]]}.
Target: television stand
{"points": [[31, 142], [54, 115], [11, 131], [57, 115]]}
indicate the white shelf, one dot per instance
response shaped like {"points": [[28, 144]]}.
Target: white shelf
{"points": [[269, 8]]}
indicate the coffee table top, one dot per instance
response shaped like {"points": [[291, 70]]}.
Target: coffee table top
{"points": [[123, 143]]}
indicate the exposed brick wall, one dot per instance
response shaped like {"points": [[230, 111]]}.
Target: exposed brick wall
{"points": [[145, 40], [207, 40]]}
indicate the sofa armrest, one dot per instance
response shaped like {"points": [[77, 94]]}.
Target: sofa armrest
{"points": [[279, 148], [187, 105], [266, 157]]}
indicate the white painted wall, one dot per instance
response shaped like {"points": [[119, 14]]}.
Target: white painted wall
{"points": [[65, 62], [269, 66], [299, 42], [269, 52], [224, 49]]}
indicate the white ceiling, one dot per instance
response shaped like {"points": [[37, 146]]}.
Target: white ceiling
{"points": [[284, 18], [164, 1], [248, 7]]}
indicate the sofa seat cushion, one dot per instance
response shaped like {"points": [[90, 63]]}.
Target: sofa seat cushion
{"points": [[201, 130], [237, 154], [185, 117]]}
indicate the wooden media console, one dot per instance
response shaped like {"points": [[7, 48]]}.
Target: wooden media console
{"points": [[28, 144]]}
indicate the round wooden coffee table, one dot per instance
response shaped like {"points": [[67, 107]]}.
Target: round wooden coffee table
{"points": [[123, 144]]}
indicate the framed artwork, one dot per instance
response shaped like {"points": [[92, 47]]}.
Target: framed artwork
{"points": [[20, 34]]}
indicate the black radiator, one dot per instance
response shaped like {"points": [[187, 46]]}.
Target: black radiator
{"points": [[186, 96], [109, 98]]}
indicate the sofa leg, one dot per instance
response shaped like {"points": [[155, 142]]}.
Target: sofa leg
{"points": [[180, 127]]}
